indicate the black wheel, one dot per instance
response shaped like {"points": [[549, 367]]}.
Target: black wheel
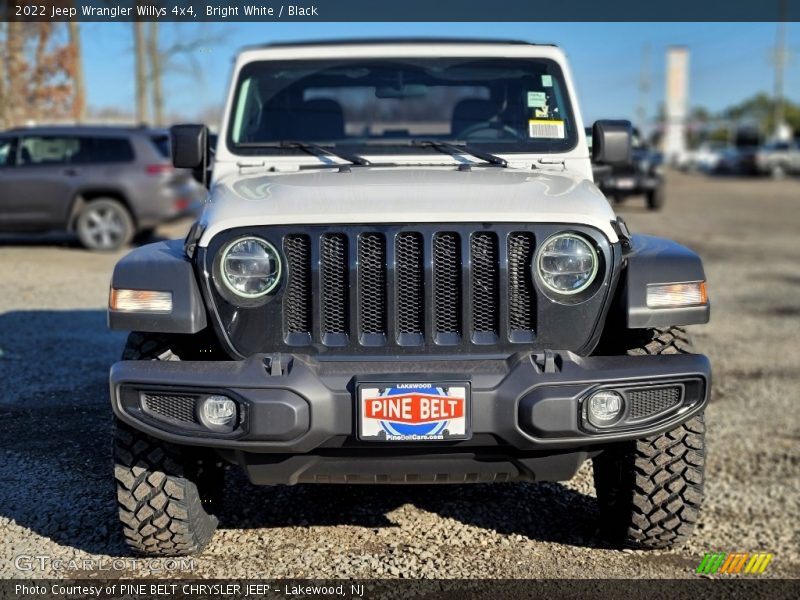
{"points": [[655, 198], [650, 491], [143, 235], [165, 493], [777, 171], [104, 224]]}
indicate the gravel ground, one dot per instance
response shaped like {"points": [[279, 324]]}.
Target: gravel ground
{"points": [[56, 496]]}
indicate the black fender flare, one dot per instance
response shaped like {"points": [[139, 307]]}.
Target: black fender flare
{"points": [[163, 267], [654, 260]]}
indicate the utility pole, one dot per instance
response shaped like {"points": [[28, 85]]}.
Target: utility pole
{"points": [[644, 90], [780, 63]]}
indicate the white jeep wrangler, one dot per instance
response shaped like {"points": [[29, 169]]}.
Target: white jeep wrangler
{"points": [[405, 274]]}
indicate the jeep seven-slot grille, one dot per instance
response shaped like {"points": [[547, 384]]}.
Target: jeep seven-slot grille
{"points": [[447, 286], [521, 295], [409, 288], [335, 298], [297, 300]]}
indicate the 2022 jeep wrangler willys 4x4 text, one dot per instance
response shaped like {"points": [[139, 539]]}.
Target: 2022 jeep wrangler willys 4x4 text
{"points": [[405, 274]]}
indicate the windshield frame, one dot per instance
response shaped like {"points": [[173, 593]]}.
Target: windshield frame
{"points": [[405, 146]]}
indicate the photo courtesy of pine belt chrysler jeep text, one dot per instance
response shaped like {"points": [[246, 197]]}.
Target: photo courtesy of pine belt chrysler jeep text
{"points": [[405, 274]]}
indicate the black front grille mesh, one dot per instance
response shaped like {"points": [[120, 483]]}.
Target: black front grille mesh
{"points": [[410, 283], [335, 297], [447, 283], [170, 406], [372, 282], [483, 252], [408, 288], [297, 299], [520, 282], [651, 401]]}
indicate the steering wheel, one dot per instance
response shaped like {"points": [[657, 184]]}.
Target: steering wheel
{"points": [[502, 130]]}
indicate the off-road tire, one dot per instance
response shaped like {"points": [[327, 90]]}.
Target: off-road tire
{"points": [[650, 490], [655, 198], [143, 236], [161, 509], [165, 492], [778, 171]]}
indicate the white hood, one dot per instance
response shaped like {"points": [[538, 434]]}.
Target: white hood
{"points": [[406, 195]]}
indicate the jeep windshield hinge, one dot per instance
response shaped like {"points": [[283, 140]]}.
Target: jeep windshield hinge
{"points": [[550, 162], [194, 235]]}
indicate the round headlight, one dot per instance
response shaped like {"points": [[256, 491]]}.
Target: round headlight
{"points": [[567, 263], [250, 267]]}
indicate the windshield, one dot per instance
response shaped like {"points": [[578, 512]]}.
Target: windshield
{"points": [[500, 105]]}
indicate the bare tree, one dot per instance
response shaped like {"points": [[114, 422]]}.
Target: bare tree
{"points": [[35, 81], [3, 97], [76, 73], [140, 57], [154, 56], [15, 71], [180, 56]]}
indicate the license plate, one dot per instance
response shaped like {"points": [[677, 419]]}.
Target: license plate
{"points": [[626, 183], [413, 412]]}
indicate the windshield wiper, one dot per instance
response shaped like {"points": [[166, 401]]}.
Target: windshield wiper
{"points": [[312, 149], [317, 150], [456, 149]]}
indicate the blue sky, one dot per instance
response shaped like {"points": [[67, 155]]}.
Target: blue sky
{"points": [[728, 61]]}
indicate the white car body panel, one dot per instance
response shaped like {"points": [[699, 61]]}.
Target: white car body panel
{"points": [[263, 190], [406, 195]]}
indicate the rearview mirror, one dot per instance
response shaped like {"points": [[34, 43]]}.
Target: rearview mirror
{"points": [[409, 90], [190, 149], [611, 142]]}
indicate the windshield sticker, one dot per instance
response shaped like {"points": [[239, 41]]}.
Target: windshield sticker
{"points": [[537, 99], [547, 80], [541, 113], [546, 129]]}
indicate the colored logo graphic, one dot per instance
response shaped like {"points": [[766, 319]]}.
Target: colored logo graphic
{"points": [[732, 564], [423, 411]]}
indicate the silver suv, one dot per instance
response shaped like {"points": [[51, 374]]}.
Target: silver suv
{"points": [[106, 184]]}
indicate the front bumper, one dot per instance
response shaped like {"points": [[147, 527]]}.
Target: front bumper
{"points": [[291, 404]]}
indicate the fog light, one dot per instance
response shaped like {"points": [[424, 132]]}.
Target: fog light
{"points": [[604, 408], [218, 411]]}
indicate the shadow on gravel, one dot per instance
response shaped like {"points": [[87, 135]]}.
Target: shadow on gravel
{"points": [[541, 511], [55, 441], [56, 466], [66, 240]]}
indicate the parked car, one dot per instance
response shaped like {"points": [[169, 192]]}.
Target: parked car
{"points": [[705, 157], [406, 276], [778, 159], [642, 176], [739, 160], [106, 184]]}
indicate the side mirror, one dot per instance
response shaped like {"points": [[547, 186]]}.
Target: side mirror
{"points": [[611, 142], [190, 149]]}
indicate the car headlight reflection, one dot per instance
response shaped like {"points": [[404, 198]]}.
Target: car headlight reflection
{"points": [[251, 267], [567, 264]]}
